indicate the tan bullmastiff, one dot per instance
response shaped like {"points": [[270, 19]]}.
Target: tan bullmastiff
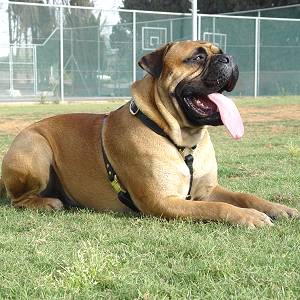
{"points": [[59, 161]]}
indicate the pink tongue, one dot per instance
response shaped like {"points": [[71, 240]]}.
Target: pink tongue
{"points": [[229, 114]]}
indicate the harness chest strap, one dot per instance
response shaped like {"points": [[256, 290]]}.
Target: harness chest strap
{"points": [[123, 195], [189, 159]]}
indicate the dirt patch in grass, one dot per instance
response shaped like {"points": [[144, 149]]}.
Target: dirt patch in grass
{"points": [[249, 114], [272, 113], [13, 126]]}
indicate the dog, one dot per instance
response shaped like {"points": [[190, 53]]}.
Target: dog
{"points": [[153, 155]]}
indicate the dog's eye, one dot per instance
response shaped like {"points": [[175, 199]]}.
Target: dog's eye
{"points": [[199, 57]]}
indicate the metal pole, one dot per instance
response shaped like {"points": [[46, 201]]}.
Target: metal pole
{"points": [[134, 46], [194, 19], [11, 76], [257, 48], [199, 27], [171, 30], [34, 70], [98, 61], [258, 54], [72, 61], [214, 29], [61, 39]]}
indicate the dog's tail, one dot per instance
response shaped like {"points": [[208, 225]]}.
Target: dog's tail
{"points": [[3, 193]]}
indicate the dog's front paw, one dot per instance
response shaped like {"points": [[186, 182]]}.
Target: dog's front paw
{"points": [[249, 217], [277, 211]]}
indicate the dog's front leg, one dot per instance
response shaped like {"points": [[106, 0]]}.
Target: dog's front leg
{"points": [[273, 210], [174, 207]]}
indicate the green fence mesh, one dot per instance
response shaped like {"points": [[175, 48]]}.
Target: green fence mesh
{"points": [[236, 37], [279, 58], [101, 50]]}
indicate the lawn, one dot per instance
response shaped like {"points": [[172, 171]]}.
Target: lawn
{"points": [[86, 255]]}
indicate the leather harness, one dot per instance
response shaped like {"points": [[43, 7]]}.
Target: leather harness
{"points": [[123, 195]]}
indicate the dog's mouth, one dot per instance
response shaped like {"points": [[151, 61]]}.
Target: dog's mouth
{"points": [[201, 105], [205, 105], [214, 109]]}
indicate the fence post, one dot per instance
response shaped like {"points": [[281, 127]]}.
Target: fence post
{"points": [[199, 27], [35, 80], [214, 29], [194, 19], [61, 40], [11, 72], [257, 55], [134, 46]]}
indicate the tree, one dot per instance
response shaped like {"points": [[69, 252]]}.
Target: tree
{"points": [[32, 25], [35, 25], [82, 30], [158, 5], [205, 6]]}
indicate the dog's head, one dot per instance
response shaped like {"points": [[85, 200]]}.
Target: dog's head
{"points": [[195, 73]]}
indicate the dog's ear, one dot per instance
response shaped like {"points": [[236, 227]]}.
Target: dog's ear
{"points": [[153, 62]]}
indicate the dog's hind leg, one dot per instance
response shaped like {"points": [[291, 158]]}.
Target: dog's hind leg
{"points": [[26, 171]]}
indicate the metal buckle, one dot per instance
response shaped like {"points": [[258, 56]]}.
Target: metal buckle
{"points": [[131, 109], [116, 185]]}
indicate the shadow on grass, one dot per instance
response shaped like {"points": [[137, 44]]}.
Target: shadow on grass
{"points": [[5, 202]]}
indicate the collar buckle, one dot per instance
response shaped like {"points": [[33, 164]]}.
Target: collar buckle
{"points": [[133, 108]]}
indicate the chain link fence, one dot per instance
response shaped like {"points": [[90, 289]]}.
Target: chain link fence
{"points": [[73, 53]]}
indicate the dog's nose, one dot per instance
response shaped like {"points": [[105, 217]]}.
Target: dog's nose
{"points": [[224, 59]]}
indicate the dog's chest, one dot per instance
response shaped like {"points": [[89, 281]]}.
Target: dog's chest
{"points": [[204, 179]]}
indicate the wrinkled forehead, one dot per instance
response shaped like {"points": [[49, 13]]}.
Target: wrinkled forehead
{"points": [[185, 49]]}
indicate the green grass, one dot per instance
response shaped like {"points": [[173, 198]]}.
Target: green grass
{"points": [[85, 255], [266, 101], [39, 111]]}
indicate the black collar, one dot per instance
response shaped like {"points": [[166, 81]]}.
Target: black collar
{"points": [[134, 110], [146, 120]]}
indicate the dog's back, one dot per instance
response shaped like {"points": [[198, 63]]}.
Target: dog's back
{"points": [[41, 167]]}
